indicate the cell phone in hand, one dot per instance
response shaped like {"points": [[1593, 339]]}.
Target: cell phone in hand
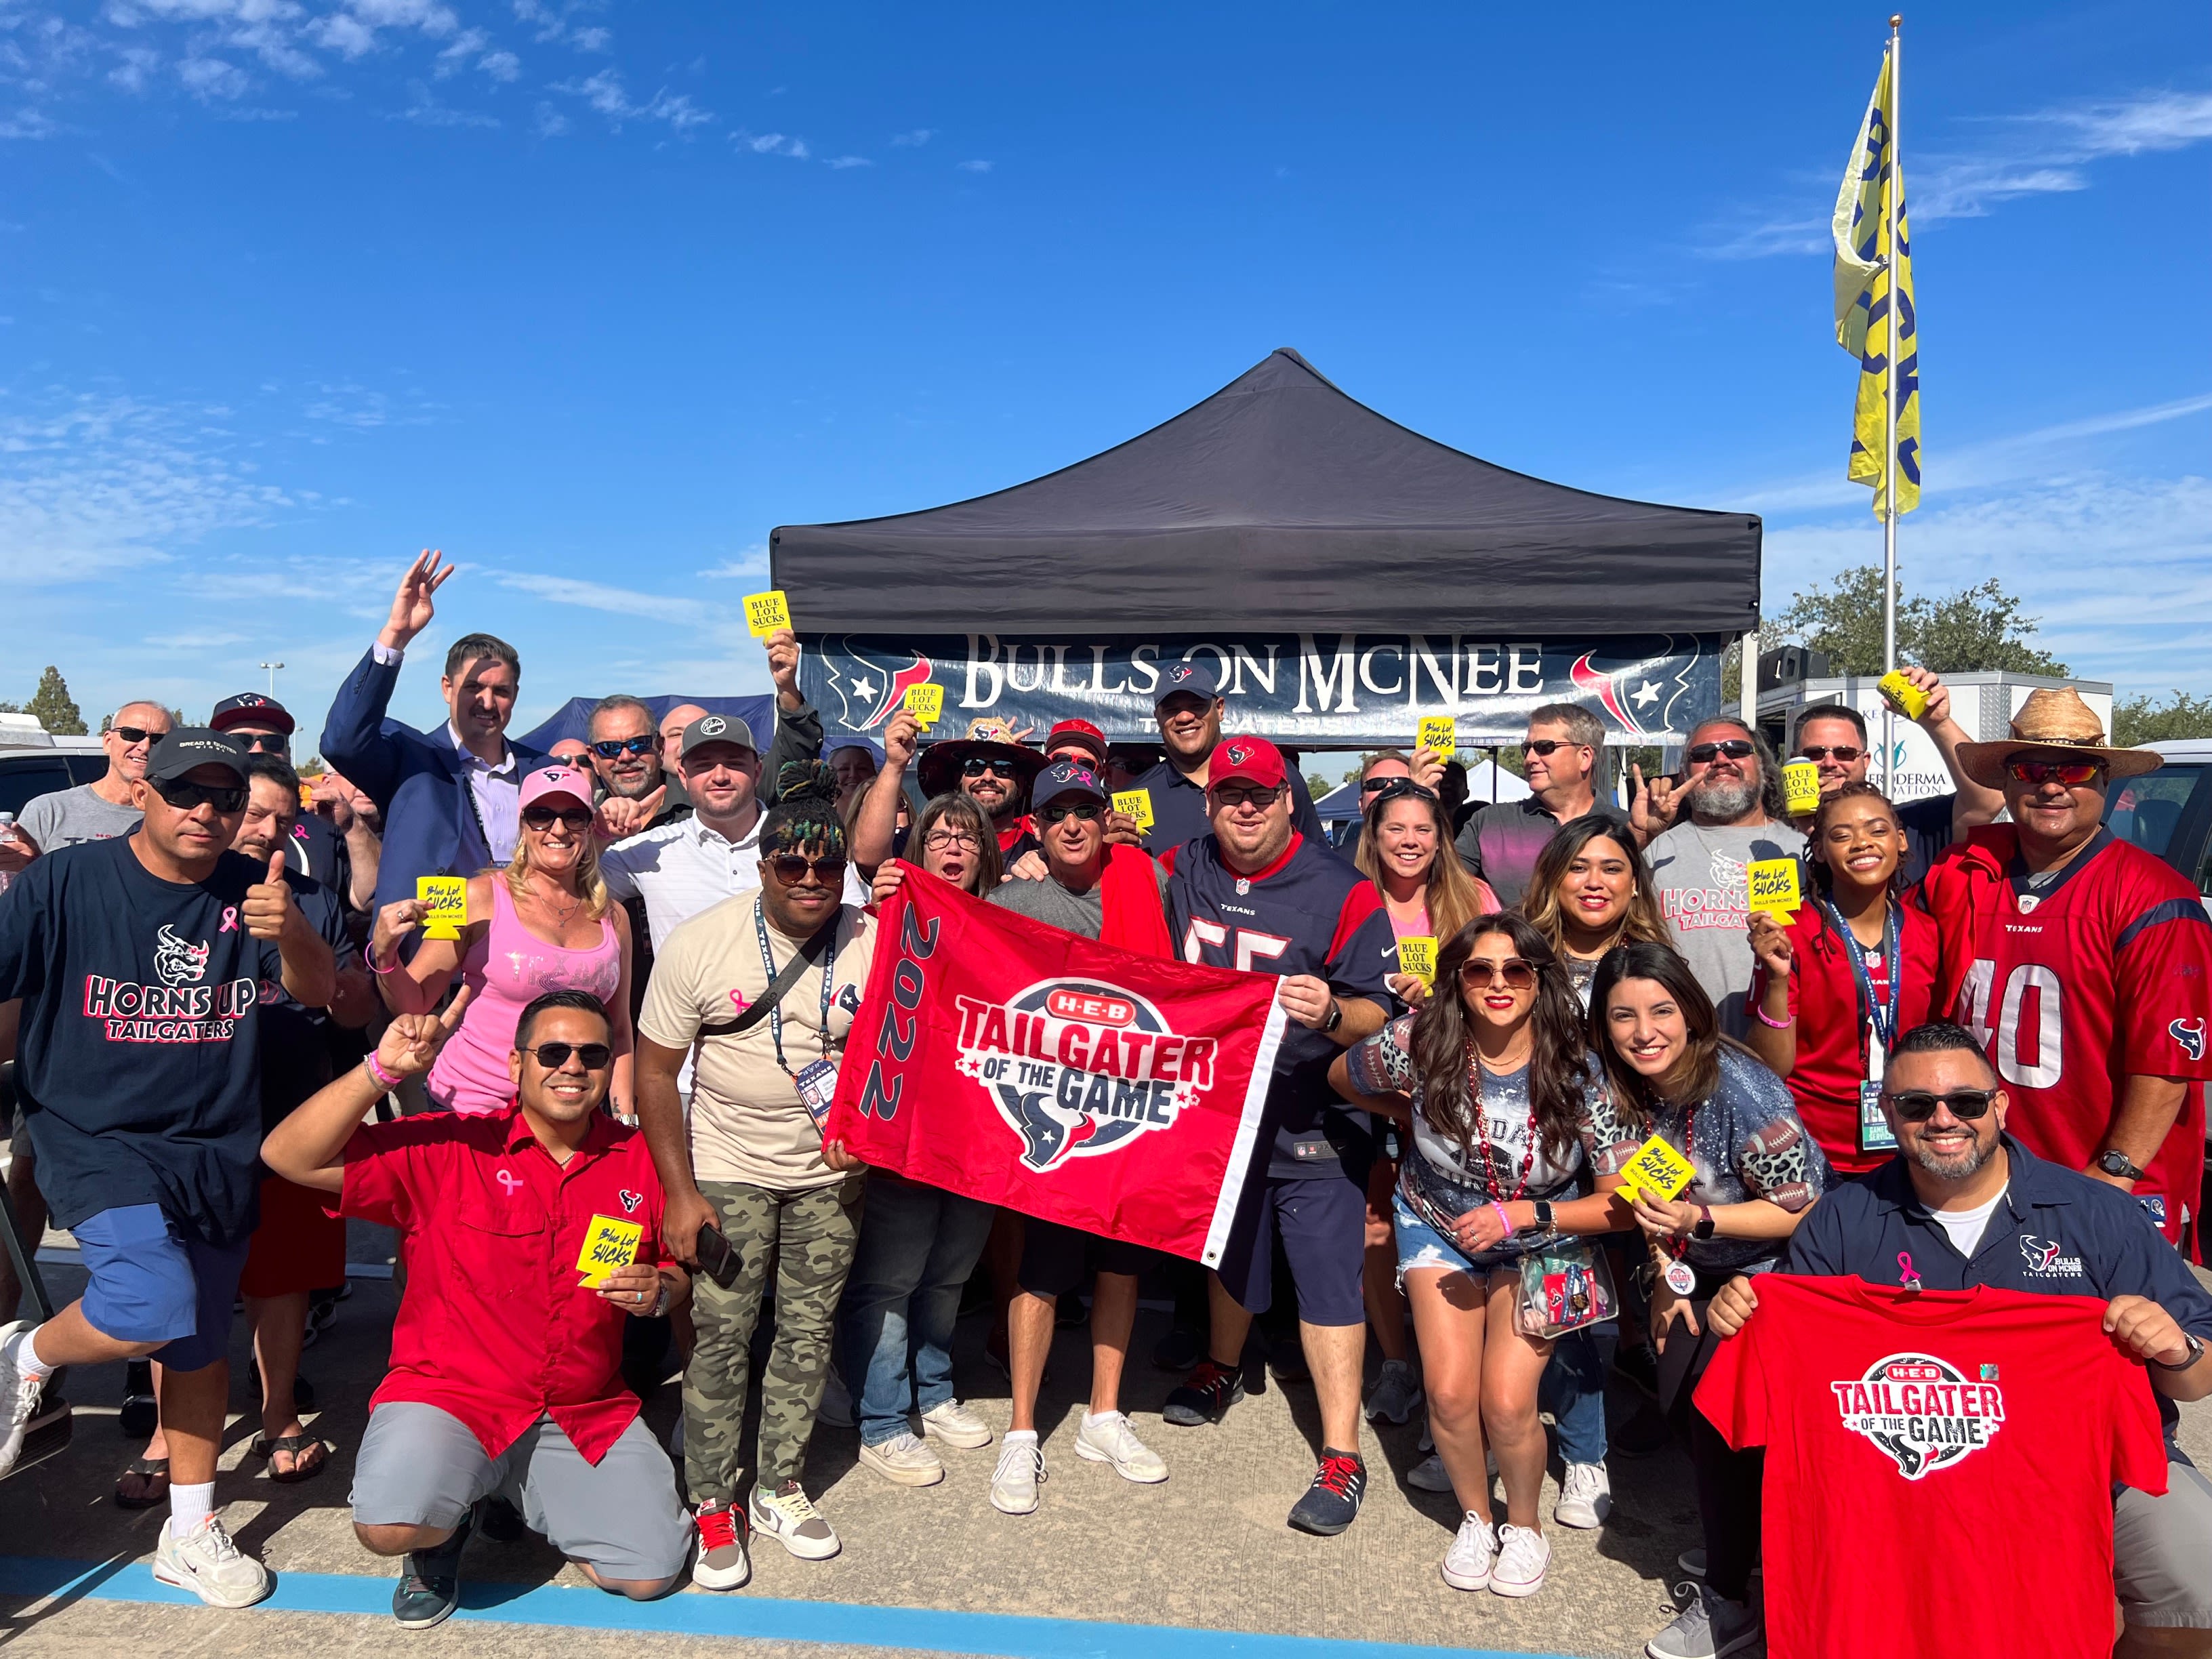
{"points": [[716, 1259]]}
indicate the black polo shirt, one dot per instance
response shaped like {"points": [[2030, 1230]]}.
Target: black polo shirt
{"points": [[2055, 1232], [1179, 810]]}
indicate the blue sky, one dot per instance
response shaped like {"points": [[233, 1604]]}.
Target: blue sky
{"points": [[591, 296]]}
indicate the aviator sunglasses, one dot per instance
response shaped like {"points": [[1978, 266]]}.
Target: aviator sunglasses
{"points": [[1703, 754]]}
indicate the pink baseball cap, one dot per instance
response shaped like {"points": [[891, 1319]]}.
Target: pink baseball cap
{"points": [[547, 781]]}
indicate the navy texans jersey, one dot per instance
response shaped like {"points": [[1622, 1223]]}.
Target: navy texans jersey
{"points": [[1308, 913]]}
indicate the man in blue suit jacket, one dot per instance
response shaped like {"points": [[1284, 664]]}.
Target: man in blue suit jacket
{"points": [[451, 797]]}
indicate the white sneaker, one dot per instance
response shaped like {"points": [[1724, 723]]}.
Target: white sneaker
{"points": [[1523, 1556], [1397, 1395], [723, 1562], [836, 1407], [1108, 1438], [903, 1461], [1467, 1563], [19, 1395], [956, 1425], [788, 1515], [1428, 1475], [1014, 1482], [1585, 1497], [205, 1562]]}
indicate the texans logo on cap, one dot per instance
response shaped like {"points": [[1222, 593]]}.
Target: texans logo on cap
{"points": [[1180, 672], [1238, 754], [249, 700], [713, 726]]}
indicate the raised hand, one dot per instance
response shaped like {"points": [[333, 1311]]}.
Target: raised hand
{"points": [[1771, 944], [16, 851], [393, 923], [783, 663], [1938, 695], [411, 1041], [1655, 804], [268, 903], [619, 817], [412, 608], [1427, 768], [900, 738]]}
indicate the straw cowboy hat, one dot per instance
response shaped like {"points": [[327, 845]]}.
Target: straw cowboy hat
{"points": [[2053, 725], [941, 762]]}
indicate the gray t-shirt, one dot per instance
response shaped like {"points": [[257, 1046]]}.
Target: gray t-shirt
{"points": [[70, 816], [1700, 872], [1047, 901]]}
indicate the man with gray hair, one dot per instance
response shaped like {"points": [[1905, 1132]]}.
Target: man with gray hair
{"points": [[1501, 841], [97, 810]]}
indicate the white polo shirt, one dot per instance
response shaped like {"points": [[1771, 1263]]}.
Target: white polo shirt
{"points": [[680, 869]]}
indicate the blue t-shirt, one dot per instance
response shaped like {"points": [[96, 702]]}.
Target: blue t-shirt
{"points": [[1308, 913], [139, 1060]]}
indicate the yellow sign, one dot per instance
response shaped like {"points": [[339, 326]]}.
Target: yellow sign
{"points": [[608, 1245], [1801, 787], [925, 703], [1908, 699], [1417, 956], [766, 612], [1658, 1169], [1138, 803], [1773, 883], [444, 905], [1438, 734]]}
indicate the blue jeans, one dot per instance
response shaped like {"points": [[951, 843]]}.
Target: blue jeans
{"points": [[1573, 1390], [918, 1245]]}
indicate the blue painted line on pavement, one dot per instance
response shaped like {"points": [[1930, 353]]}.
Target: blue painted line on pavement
{"points": [[1009, 1636]]}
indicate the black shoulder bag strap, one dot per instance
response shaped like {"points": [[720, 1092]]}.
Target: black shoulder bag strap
{"points": [[808, 955]]}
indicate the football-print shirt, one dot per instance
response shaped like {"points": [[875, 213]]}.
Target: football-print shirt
{"points": [[1913, 1438], [2075, 986], [1307, 913]]}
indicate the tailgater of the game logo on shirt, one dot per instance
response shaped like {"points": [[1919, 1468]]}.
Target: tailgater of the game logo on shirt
{"points": [[139, 1059], [1904, 1428]]}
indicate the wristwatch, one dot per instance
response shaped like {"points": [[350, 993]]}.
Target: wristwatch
{"points": [[1544, 1213], [2196, 1346], [2119, 1163], [1705, 1227], [1336, 1018]]}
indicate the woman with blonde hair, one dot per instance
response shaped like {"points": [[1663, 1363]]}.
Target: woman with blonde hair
{"points": [[543, 923]]}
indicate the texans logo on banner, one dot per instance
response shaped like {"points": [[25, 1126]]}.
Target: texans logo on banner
{"points": [[1921, 1411], [1079, 1067], [1640, 701], [870, 683]]}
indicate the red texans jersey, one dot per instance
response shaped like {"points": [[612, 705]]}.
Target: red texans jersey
{"points": [[2103, 975], [1307, 913]]}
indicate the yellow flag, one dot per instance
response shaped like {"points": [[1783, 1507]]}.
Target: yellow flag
{"points": [[1873, 264]]}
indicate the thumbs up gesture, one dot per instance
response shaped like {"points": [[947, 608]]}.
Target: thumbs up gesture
{"points": [[268, 905]]}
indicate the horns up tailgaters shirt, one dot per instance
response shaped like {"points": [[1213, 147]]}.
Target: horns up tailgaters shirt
{"points": [[1956, 1450], [1701, 871], [139, 1059], [1308, 913]]}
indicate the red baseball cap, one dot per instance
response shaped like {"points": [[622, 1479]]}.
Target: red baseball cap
{"points": [[1082, 733], [1252, 759]]}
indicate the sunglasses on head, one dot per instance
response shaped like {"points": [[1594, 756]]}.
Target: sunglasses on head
{"points": [[792, 868], [1403, 789], [132, 735], [1545, 745], [544, 817], [1845, 752], [1084, 811], [1703, 754], [1918, 1105], [608, 748], [978, 765], [186, 796], [554, 1056], [2037, 773], [1516, 973]]}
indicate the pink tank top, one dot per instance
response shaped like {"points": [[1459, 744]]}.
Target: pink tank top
{"points": [[511, 967]]}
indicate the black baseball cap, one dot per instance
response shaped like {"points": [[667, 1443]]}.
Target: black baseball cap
{"points": [[1199, 679], [252, 708], [1066, 778], [189, 747]]}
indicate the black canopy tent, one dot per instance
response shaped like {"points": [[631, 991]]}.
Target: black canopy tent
{"points": [[1280, 504]]}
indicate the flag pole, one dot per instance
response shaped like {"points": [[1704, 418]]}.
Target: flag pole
{"points": [[1895, 209]]}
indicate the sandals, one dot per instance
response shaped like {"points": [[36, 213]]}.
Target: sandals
{"points": [[143, 1483], [298, 1446]]}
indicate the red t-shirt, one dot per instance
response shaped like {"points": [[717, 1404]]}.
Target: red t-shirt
{"points": [[2103, 975], [1939, 1466], [1831, 1032], [495, 1327]]}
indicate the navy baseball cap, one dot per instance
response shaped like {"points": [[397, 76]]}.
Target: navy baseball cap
{"points": [[1199, 679], [1067, 778], [189, 747], [252, 708]]}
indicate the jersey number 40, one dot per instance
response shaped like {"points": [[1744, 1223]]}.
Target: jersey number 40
{"points": [[2036, 1065]]}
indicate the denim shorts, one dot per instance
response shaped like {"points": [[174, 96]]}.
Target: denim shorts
{"points": [[1420, 1245], [148, 1282]]}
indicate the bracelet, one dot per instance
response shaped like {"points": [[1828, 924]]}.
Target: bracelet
{"points": [[382, 1079], [1764, 1019], [1504, 1220], [368, 958]]}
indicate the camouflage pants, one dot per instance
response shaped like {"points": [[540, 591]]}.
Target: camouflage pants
{"points": [[810, 1237]]}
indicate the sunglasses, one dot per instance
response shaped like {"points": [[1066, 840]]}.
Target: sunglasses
{"points": [[1403, 789], [979, 765], [1254, 796], [1917, 1105], [2037, 773], [1845, 752], [544, 817], [1369, 785], [554, 1056], [266, 743], [1076, 753], [1703, 754], [608, 748], [132, 736], [792, 868], [1545, 745], [185, 797], [1514, 974], [1086, 812]]}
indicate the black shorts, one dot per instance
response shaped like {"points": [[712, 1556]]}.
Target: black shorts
{"points": [[1053, 1257], [1322, 1219]]}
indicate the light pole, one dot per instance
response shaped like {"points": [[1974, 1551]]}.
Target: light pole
{"points": [[272, 667]]}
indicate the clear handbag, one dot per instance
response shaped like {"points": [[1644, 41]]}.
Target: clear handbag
{"points": [[1565, 1286]]}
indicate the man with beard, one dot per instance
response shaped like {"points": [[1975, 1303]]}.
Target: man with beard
{"points": [[684, 866], [1967, 1204], [1188, 707], [990, 765], [1699, 866]]}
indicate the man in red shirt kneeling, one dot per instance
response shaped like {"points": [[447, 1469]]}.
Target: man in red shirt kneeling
{"points": [[505, 1374]]}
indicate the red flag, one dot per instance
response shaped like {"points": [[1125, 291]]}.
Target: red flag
{"points": [[1026, 1066]]}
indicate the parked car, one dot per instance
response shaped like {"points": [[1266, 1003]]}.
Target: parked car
{"points": [[26, 774]]}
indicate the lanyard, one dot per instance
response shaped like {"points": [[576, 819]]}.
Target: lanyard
{"points": [[1881, 1022], [775, 1014]]}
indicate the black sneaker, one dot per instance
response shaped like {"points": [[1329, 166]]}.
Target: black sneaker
{"points": [[1206, 1398], [499, 1521], [430, 1581], [1178, 1351], [1332, 1503]]}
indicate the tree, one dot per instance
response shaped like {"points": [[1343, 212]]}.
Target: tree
{"points": [[1974, 628], [56, 710], [2138, 720]]}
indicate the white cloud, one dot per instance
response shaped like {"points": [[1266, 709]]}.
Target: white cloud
{"points": [[597, 596], [427, 112], [549, 122], [913, 140], [500, 65], [605, 93], [771, 143], [27, 124], [211, 77], [974, 167], [841, 163], [590, 39]]}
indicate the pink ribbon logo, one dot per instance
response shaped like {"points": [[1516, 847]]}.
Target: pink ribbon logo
{"points": [[738, 1000], [1908, 1279], [229, 920], [509, 1180]]}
